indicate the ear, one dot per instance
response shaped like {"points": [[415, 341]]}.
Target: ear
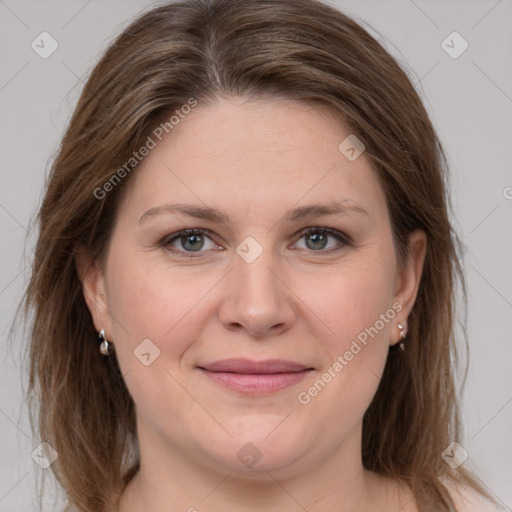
{"points": [[409, 277], [94, 290]]}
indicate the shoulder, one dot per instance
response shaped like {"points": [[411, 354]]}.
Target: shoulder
{"points": [[468, 500]]}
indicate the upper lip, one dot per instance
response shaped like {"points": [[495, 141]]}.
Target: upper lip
{"points": [[240, 365]]}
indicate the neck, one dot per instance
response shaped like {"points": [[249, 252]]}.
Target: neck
{"points": [[172, 478]]}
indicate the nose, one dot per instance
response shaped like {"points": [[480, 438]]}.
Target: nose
{"points": [[256, 299]]}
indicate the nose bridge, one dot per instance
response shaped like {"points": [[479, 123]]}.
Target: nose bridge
{"points": [[258, 287], [256, 278], [256, 299]]}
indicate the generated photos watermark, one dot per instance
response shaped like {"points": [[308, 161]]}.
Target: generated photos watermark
{"points": [[151, 142], [343, 360]]}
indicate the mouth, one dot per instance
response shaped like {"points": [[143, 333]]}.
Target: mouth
{"points": [[256, 377]]}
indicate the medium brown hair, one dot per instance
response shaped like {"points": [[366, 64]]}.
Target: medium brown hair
{"points": [[206, 49]]}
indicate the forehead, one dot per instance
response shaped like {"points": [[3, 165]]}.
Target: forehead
{"points": [[255, 154]]}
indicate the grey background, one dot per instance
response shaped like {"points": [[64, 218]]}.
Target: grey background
{"points": [[470, 101]]}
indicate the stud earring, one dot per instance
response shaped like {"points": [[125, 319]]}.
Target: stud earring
{"points": [[403, 333], [105, 346]]}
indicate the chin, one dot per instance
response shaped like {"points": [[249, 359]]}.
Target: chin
{"points": [[259, 450]]}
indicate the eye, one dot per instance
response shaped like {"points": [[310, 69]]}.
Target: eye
{"points": [[317, 239], [188, 241]]}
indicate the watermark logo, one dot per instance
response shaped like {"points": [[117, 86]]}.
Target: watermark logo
{"points": [[352, 147], [249, 455], [454, 455], [249, 249], [44, 455], [44, 45], [454, 45], [147, 352]]}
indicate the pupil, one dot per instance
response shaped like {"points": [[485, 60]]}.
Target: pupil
{"points": [[317, 238], [195, 238]]}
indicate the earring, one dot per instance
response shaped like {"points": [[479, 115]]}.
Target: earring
{"points": [[105, 346], [403, 333]]}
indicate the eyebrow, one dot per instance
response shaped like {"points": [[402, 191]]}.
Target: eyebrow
{"points": [[343, 207]]}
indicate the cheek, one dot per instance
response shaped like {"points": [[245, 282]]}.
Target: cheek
{"points": [[357, 306], [168, 308], [157, 302], [350, 302]]}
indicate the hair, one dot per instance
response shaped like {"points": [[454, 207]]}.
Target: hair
{"points": [[301, 50]]}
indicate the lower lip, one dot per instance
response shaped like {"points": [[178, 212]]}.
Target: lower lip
{"points": [[256, 383]]}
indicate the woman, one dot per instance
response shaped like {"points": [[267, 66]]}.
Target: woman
{"points": [[243, 288]]}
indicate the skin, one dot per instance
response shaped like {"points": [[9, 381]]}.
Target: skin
{"points": [[256, 160]]}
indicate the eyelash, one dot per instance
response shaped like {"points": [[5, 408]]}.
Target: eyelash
{"points": [[343, 239]]}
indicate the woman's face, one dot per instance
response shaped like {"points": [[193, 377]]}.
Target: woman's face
{"points": [[252, 284]]}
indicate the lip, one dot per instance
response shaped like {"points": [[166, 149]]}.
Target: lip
{"points": [[241, 365], [255, 377]]}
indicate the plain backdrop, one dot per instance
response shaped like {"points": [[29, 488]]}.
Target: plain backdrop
{"points": [[468, 97]]}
